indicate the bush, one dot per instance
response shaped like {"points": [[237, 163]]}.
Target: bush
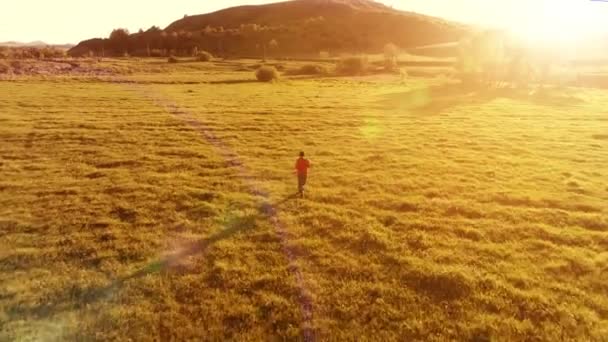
{"points": [[390, 65], [156, 53], [4, 67], [391, 51], [18, 67], [173, 59], [352, 66], [310, 69], [204, 56], [267, 74], [16, 64]]}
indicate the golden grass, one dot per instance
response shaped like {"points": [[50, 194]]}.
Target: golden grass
{"points": [[433, 212]]}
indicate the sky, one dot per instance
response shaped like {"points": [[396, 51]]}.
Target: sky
{"points": [[70, 21]]}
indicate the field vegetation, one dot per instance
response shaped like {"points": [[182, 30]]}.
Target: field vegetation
{"points": [[14, 52], [156, 202]]}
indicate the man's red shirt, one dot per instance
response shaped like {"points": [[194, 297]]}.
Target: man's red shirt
{"points": [[302, 166]]}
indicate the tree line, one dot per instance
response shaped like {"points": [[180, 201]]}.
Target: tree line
{"points": [[493, 58], [155, 42], [353, 33], [31, 52]]}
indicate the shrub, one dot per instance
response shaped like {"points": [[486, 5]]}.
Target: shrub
{"points": [[390, 65], [156, 53], [50, 52], [267, 74], [16, 64], [352, 66], [204, 56], [391, 51], [4, 67], [173, 59], [310, 69]]}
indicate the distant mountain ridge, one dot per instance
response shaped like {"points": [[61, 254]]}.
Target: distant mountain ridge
{"points": [[294, 27], [36, 43]]}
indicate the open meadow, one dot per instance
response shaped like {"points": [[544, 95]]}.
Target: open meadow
{"points": [[158, 203]]}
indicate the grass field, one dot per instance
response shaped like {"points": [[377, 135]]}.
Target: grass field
{"points": [[155, 209]]}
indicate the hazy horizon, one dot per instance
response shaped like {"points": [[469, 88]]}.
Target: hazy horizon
{"points": [[72, 21]]}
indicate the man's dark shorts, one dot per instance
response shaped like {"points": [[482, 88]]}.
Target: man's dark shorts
{"points": [[302, 182]]}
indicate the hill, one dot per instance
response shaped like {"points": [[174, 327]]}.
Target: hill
{"points": [[298, 27], [282, 13]]}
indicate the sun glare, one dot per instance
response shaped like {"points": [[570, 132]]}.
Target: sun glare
{"points": [[561, 22]]}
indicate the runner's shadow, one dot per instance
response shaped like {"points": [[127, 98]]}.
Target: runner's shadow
{"points": [[90, 295], [287, 199], [270, 210]]}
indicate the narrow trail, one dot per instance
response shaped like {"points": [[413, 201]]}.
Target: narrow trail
{"points": [[248, 178]]}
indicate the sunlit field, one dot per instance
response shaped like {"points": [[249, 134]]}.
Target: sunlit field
{"points": [[159, 205]]}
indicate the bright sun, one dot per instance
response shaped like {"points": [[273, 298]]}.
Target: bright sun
{"points": [[562, 21]]}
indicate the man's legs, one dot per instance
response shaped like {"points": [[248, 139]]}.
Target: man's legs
{"points": [[301, 184]]}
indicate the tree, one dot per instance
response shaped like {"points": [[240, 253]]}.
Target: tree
{"points": [[173, 41], [140, 42], [482, 57], [186, 43], [169, 42], [273, 45], [249, 29], [153, 39], [208, 31], [119, 40], [391, 52]]}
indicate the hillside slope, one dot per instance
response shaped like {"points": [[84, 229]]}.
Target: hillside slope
{"points": [[276, 14], [297, 27]]}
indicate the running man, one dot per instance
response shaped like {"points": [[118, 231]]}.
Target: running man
{"points": [[302, 166]]}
